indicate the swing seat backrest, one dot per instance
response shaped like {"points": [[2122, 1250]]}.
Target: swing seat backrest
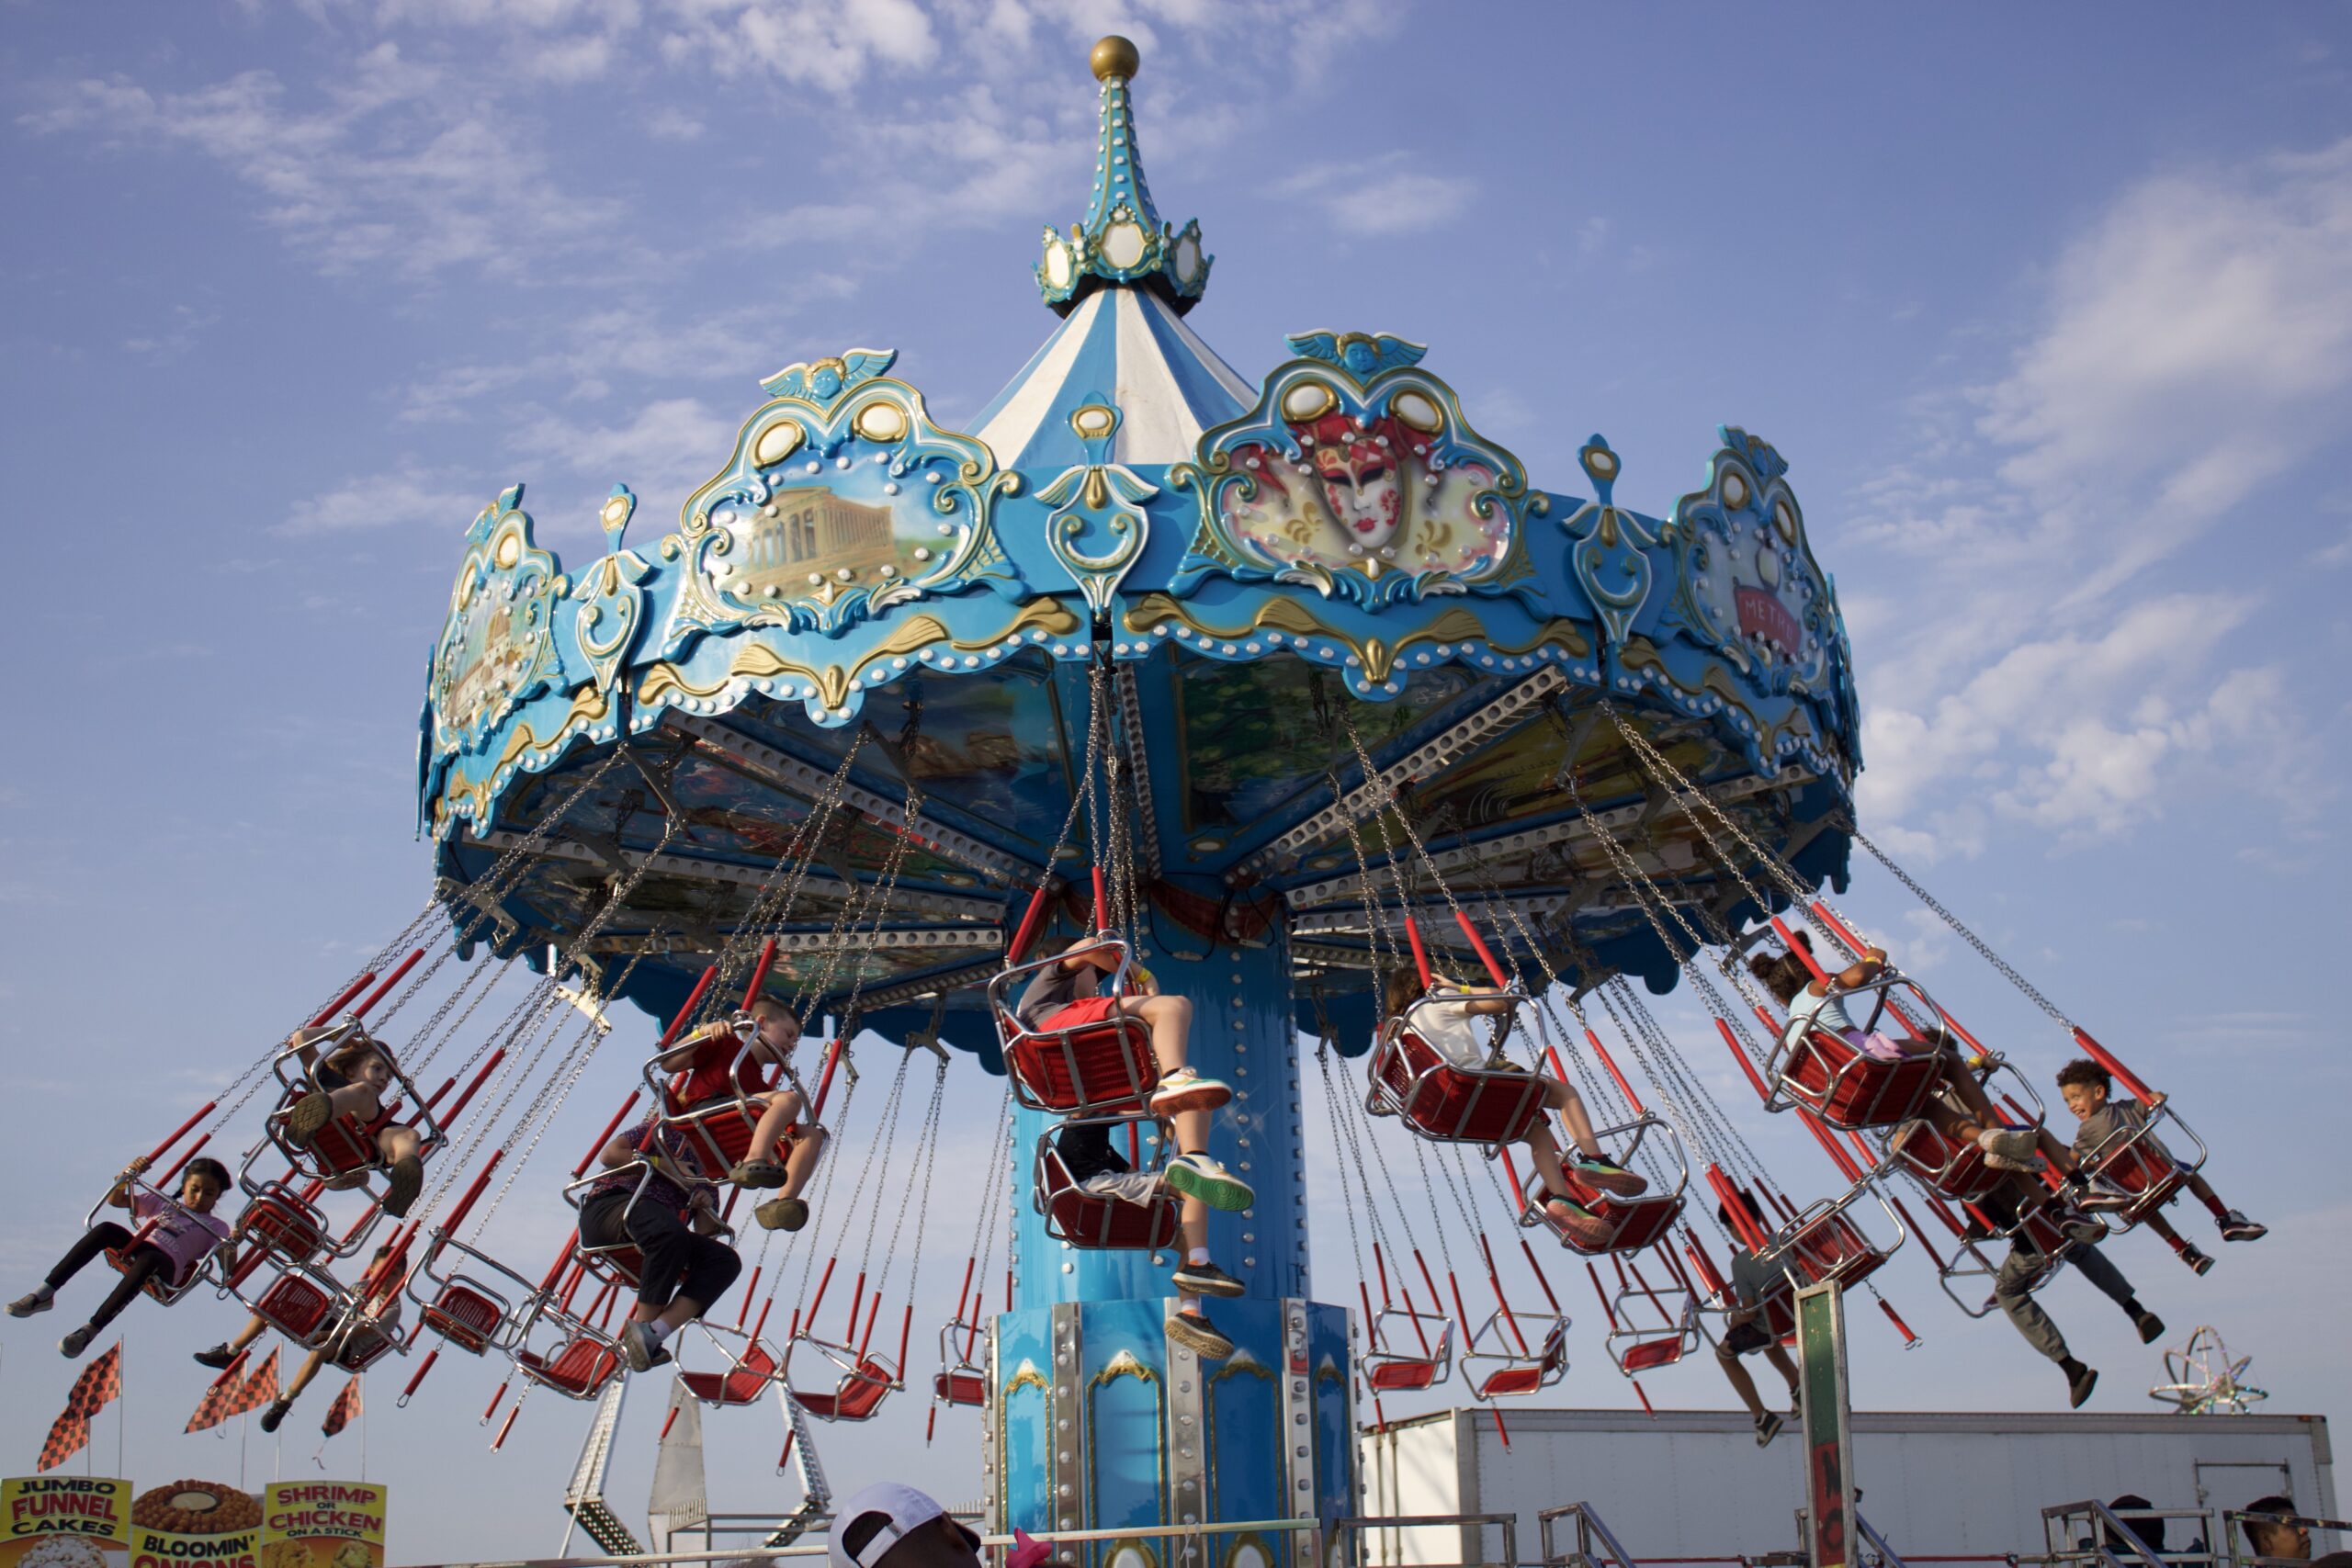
{"points": [[1402, 1376], [280, 1223], [1852, 1090], [1834, 1250], [1096, 1220], [742, 1383], [363, 1348], [960, 1388], [579, 1368], [1451, 1103], [1535, 1373], [1954, 1166], [1095, 1069], [466, 1318], [297, 1307], [856, 1397], [1635, 1221], [1649, 1355]]}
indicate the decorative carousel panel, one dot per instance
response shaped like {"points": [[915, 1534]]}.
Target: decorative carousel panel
{"points": [[1748, 583], [842, 500], [1357, 474], [496, 649]]}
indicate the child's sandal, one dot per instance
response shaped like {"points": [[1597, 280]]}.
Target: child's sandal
{"points": [[757, 1173], [407, 1181]]}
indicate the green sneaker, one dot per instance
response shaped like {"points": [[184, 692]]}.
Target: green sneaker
{"points": [[1199, 1176]]}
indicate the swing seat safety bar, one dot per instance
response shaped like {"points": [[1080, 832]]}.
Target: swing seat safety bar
{"points": [[1515, 1372], [1439, 1098], [1095, 1220], [1394, 1370], [861, 1380], [1090, 1069], [158, 1288], [1635, 1223]]}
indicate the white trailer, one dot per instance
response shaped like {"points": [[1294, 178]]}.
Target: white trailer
{"points": [[1691, 1484]]}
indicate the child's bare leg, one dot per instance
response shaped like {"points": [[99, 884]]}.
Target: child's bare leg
{"points": [[1782, 1363], [253, 1329], [1547, 1156], [1963, 1085], [2156, 1222], [396, 1143], [1563, 1098], [783, 1108], [1741, 1383], [1191, 1131], [302, 1376], [1193, 1226], [801, 1163], [2205, 1193], [1170, 1019]]}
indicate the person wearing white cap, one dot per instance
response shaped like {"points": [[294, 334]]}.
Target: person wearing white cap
{"points": [[906, 1527]]}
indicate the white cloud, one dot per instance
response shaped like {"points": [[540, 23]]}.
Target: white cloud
{"points": [[2196, 343], [1387, 194], [404, 498]]}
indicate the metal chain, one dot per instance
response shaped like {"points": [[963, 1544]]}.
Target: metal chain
{"points": [[1970, 937]]}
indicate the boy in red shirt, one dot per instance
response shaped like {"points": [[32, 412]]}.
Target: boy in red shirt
{"points": [[717, 1067]]}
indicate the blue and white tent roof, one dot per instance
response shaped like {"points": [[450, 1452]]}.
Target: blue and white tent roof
{"points": [[1125, 344]]}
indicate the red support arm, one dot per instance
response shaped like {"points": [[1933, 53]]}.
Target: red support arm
{"points": [[1611, 1063], [181, 1131], [606, 1135], [759, 973], [1026, 932], [1743, 1223], [1540, 1279], [430, 1357], [1420, 954], [2123, 1075], [495, 1395], [1102, 903], [395, 978], [326, 1015], [678, 1019], [1755, 1078], [1601, 1295], [473, 1085], [465, 1204], [164, 1181], [825, 1082], [1478, 945]]}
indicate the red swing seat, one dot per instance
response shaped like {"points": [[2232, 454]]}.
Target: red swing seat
{"points": [[1635, 1223], [865, 1382], [580, 1368], [299, 1306], [465, 1317], [1520, 1375], [1831, 1248], [1098, 1220], [2140, 1168], [363, 1348], [279, 1221], [1394, 1369], [1851, 1091], [1451, 1104], [740, 1384], [960, 1387], [1954, 1166], [1100, 1068], [158, 1287], [1649, 1355]]}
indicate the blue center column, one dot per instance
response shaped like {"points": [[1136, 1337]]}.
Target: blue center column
{"points": [[1099, 1421]]}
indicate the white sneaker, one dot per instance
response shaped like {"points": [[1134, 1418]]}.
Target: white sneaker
{"points": [[1185, 1089], [2010, 1148]]}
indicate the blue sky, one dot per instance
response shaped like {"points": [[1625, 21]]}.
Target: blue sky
{"points": [[2051, 310]]}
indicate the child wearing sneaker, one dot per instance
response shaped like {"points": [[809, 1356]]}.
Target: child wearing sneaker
{"points": [[2107, 1124], [351, 1081], [1069, 994], [1086, 1152], [1447, 1020], [379, 1318], [178, 1235], [715, 1067]]}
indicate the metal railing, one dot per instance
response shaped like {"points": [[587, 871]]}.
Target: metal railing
{"points": [[2106, 1539], [1589, 1530], [2233, 1523]]}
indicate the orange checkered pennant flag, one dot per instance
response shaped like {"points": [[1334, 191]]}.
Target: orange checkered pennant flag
{"points": [[345, 1410], [258, 1390], [213, 1408], [100, 1383]]}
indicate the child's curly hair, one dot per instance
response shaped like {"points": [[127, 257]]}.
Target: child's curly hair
{"points": [[2082, 1071]]}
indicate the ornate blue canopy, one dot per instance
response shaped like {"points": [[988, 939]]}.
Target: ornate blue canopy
{"points": [[1243, 553]]}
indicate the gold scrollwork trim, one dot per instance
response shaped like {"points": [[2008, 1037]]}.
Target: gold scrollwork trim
{"points": [[1125, 1365], [758, 661], [1379, 657], [473, 798]]}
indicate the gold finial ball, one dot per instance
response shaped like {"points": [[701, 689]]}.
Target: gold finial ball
{"points": [[1115, 56]]}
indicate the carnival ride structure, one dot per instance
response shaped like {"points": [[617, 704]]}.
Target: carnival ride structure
{"points": [[1276, 687]]}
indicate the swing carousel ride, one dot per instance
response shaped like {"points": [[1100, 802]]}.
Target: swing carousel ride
{"points": [[1275, 688]]}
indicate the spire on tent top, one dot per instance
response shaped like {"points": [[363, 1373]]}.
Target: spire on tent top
{"points": [[1122, 239]]}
